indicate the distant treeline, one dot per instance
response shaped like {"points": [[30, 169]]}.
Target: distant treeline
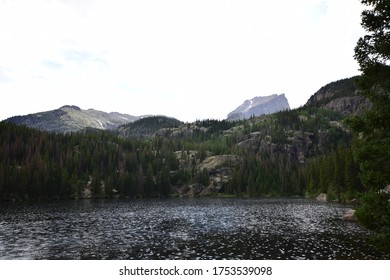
{"points": [[41, 165]]}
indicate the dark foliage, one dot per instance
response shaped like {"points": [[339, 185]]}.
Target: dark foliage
{"points": [[41, 165], [147, 126], [372, 130]]}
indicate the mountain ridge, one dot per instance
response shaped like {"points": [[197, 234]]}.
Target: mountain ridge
{"points": [[70, 118], [281, 153], [340, 96]]}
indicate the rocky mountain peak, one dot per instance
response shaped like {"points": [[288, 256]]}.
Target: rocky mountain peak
{"points": [[260, 105]]}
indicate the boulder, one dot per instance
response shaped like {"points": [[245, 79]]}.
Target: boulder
{"points": [[252, 144], [322, 197], [349, 216], [87, 193], [192, 191], [183, 190], [385, 190], [214, 162]]}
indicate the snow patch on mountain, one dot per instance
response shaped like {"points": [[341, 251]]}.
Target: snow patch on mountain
{"points": [[260, 105]]}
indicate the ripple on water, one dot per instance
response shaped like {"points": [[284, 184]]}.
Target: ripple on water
{"points": [[181, 229]]}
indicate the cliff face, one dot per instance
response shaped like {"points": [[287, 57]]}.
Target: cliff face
{"points": [[347, 106], [341, 96], [258, 106]]}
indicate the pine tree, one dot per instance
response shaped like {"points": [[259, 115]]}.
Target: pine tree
{"points": [[140, 181], [373, 55], [149, 183], [251, 184], [164, 181], [372, 150]]}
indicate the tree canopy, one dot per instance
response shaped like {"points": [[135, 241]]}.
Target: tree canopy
{"points": [[373, 55], [372, 147]]}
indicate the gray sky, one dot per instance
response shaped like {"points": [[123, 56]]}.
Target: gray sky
{"points": [[186, 59]]}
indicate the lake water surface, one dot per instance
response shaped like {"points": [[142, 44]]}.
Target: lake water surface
{"points": [[282, 228]]}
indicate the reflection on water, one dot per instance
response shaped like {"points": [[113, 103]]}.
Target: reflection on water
{"points": [[181, 229]]}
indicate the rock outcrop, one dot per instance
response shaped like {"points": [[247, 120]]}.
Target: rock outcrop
{"points": [[341, 96], [348, 106], [322, 197], [219, 169], [385, 190], [349, 216]]}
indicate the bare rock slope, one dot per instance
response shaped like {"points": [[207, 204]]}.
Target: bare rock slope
{"points": [[258, 106]]}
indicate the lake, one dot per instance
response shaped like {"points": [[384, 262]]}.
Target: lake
{"points": [[200, 228]]}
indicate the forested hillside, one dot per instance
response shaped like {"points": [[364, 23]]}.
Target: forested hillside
{"points": [[298, 152], [147, 126], [41, 165]]}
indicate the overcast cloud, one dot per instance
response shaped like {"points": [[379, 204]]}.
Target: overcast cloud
{"points": [[186, 59]]}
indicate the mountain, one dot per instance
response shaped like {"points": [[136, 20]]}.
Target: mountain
{"points": [[292, 152], [261, 105], [148, 126], [72, 118], [340, 96]]}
